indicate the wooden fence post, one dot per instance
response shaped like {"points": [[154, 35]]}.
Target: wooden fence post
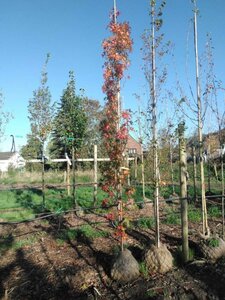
{"points": [[43, 175], [183, 192], [95, 173], [68, 178], [74, 179]]}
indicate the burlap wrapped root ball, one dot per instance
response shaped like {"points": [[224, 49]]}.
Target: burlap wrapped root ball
{"points": [[159, 260], [212, 248], [125, 268]]}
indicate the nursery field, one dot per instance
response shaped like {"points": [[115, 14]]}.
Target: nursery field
{"points": [[69, 257], [122, 200]]}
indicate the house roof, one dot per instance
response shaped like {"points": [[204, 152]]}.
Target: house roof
{"points": [[133, 144], [6, 155]]}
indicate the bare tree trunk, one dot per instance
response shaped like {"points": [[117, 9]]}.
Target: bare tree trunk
{"points": [[194, 172], [209, 175], [135, 168], [171, 166], [208, 168], [128, 166], [183, 193], [205, 228], [215, 171], [142, 155], [142, 174], [154, 131]]}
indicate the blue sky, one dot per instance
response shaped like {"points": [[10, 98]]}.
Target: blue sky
{"points": [[72, 32]]}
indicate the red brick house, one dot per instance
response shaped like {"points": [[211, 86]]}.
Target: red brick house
{"points": [[133, 147]]}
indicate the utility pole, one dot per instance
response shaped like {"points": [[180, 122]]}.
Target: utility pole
{"points": [[13, 148]]}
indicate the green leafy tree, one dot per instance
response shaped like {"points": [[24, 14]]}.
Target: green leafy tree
{"points": [[94, 114], [40, 109], [41, 113], [70, 122], [69, 126], [32, 150]]}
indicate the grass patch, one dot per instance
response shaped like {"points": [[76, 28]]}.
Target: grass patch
{"points": [[167, 191], [86, 231], [214, 212], [213, 242], [90, 232], [194, 214], [25, 242], [143, 269], [172, 218], [29, 202], [146, 222], [16, 216], [9, 242]]}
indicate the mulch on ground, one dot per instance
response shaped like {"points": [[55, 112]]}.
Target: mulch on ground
{"points": [[37, 264]]}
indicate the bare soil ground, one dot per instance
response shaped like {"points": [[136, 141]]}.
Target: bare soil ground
{"points": [[36, 264]]}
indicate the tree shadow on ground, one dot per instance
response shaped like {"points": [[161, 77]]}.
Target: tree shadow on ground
{"points": [[33, 282], [32, 198], [6, 243], [25, 199], [211, 276], [102, 260], [141, 237]]}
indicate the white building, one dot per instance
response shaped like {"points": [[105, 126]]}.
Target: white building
{"points": [[11, 160]]}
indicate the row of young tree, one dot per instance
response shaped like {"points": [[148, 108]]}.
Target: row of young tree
{"points": [[76, 119], [158, 258], [57, 128]]}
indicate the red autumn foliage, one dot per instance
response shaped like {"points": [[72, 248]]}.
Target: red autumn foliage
{"points": [[115, 127], [110, 217]]}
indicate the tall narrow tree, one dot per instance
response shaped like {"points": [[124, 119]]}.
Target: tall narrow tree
{"points": [[69, 125], [41, 113], [40, 109], [115, 133], [114, 127], [158, 257], [215, 87], [205, 227], [153, 44]]}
